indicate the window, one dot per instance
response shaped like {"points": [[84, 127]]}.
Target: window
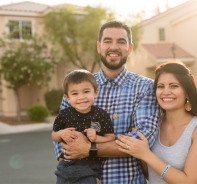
{"points": [[162, 34], [20, 29]]}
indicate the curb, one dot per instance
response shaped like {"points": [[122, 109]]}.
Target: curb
{"points": [[10, 129]]}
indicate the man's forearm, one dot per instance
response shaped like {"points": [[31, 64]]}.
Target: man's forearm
{"points": [[80, 149], [109, 149]]}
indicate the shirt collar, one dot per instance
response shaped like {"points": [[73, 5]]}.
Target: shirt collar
{"points": [[117, 79]]}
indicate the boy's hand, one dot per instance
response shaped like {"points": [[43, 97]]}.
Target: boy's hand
{"points": [[91, 134], [68, 134]]}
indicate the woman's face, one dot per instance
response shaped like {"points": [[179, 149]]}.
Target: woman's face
{"points": [[170, 94]]}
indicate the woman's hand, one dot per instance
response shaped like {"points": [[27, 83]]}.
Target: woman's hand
{"points": [[135, 147]]}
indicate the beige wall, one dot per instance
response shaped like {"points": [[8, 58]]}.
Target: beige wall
{"points": [[8, 102], [30, 95], [180, 25]]}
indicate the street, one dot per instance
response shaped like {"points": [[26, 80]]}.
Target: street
{"points": [[27, 158]]}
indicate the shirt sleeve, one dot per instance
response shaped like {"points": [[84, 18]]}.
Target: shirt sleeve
{"points": [[146, 116], [64, 104], [57, 149]]}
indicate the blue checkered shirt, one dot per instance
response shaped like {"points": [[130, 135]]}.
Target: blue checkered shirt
{"points": [[131, 97]]}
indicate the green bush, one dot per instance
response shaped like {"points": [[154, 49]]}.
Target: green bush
{"points": [[53, 99], [38, 113]]}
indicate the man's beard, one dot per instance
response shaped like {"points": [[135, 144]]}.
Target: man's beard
{"points": [[113, 66]]}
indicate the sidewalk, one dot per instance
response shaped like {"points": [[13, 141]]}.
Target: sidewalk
{"points": [[9, 129]]}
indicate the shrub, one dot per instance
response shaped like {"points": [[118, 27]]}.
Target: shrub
{"points": [[53, 99], [38, 113]]}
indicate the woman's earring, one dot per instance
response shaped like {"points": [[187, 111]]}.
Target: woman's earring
{"points": [[188, 106]]}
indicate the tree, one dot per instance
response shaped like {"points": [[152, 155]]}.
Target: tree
{"points": [[24, 63], [75, 35], [136, 29], [134, 21]]}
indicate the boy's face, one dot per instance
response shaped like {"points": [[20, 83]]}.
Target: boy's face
{"points": [[81, 96]]}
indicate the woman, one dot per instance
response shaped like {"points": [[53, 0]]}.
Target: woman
{"points": [[173, 158]]}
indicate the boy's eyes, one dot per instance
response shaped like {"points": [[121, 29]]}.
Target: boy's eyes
{"points": [[74, 94], [86, 91]]}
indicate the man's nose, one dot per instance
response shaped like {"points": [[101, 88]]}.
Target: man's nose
{"points": [[114, 45]]}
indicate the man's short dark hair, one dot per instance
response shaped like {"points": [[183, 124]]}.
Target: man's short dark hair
{"points": [[115, 24]]}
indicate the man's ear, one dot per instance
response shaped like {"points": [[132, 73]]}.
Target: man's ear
{"points": [[130, 48], [98, 46]]}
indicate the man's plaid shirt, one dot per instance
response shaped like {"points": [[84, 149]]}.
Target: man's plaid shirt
{"points": [[132, 98]]}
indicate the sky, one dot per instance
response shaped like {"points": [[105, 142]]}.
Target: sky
{"points": [[123, 8]]}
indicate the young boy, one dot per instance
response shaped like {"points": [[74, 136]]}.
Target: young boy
{"points": [[80, 89]]}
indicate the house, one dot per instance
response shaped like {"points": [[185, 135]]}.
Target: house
{"points": [[27, 17], [168, 35]]}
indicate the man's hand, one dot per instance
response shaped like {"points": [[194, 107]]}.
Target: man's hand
{"points": [[78, 149]]}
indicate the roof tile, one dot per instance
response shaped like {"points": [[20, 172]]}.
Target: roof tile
{"points": [[165, 50], [25, 6]]}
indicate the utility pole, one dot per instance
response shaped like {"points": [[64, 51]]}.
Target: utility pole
{"points": [[173, 49]]}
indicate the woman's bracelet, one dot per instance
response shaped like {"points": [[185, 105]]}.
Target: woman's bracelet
{"points": [[165, 171]]}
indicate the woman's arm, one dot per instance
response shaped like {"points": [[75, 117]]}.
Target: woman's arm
{"points": [[144, 168], [140, 149]]}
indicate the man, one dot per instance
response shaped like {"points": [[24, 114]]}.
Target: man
{"points": [[130, 101]]}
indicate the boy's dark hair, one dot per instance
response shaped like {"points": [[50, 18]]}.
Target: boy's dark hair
{"points": [[115, 24], [185, 78], [78, 76]]}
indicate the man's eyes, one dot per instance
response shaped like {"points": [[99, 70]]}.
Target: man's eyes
{"points": [[107, 41], [122, 42], [119, 42]]}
